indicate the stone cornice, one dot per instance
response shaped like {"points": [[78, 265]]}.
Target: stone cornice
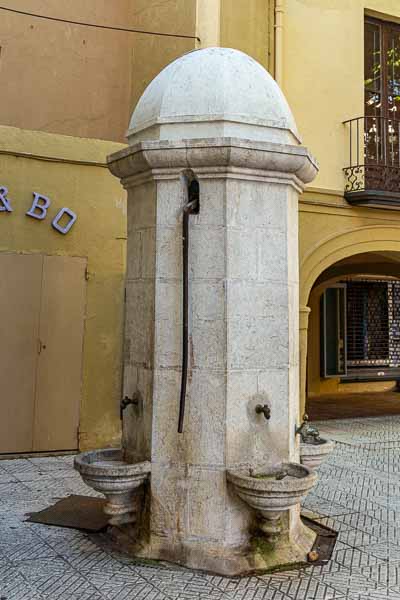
{"points": [[213, 157]]}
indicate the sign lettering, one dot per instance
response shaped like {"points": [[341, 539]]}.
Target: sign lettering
{"points": [[5, 205], [56, 221], [39, 207], [62, 222]]}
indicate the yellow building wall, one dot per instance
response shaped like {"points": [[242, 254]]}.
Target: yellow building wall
{"points": [[150, 54], [84, 81], [102, 73], [323, 80], [246, 26], [240, 24], [72, 173], [331, 230]]}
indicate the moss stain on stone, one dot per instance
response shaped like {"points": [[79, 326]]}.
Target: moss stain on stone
{"points": [[263, 547]]}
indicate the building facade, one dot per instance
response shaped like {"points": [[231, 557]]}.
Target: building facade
{"points": [[62, 215], [345, 100], [68, 107]]}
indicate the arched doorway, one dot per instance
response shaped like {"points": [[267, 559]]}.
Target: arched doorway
{"points": [[350, 325]]}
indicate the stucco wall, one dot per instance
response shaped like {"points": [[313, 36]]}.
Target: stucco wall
{"points": [[246, 26], [82, 81], [70, 172]]}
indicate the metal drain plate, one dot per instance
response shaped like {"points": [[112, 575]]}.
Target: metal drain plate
{"points": [[325, 541], [76, 512]]}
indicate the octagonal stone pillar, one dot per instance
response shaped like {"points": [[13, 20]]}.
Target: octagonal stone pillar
{"points": [[244, 308]]}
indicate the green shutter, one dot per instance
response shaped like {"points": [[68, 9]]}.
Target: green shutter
{"points": [[333, 331]]}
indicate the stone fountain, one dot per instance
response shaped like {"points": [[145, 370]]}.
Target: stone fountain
{"points": [[213, 171]]}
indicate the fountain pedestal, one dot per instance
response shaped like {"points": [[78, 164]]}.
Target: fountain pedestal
{"points": [[218, 117]]}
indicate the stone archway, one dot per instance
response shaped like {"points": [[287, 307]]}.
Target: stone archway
{"points": [[321, 257]]}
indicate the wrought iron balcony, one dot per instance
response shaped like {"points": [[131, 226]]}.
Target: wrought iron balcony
{"points": [[373, 172]]}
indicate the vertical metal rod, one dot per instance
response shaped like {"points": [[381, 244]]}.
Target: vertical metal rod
{"points": [[192, 207], [358, 141], [351, 144], [398, 140], [384, 126]]}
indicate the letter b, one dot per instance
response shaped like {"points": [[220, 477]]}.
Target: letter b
{"points": [[39, 207]]}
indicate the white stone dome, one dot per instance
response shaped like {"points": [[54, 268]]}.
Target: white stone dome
{"points": [[214, 92]]}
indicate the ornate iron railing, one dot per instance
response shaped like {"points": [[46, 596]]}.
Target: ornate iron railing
{"points": [[374, 155]]}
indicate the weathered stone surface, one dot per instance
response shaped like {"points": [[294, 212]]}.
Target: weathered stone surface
{"points": [[207, 259], [243, 298], [234, 97], [313, 456], [168, 253], [139, 322], [108, 471]]}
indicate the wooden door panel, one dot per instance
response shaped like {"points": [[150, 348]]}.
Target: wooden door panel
{"points": [[58, 387], [20, 290]]}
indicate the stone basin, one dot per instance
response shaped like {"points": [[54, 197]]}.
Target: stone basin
{"points": [[313, 455], [270, 494], [121, 482]]}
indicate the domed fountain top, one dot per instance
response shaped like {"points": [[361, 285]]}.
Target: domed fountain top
{"points": [[214, 92]]}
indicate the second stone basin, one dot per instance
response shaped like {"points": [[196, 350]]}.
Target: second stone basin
{"points": [[108, 472], [313, 455], [272, 490]]}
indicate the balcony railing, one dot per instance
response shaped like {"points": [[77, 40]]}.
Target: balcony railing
{"points": [[373, 171]]}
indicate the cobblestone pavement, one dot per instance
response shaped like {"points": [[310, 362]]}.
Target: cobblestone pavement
{"points": [[358, 494]]}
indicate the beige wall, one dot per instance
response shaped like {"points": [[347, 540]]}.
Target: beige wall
{"points": [[82, 81], [72, 173]]}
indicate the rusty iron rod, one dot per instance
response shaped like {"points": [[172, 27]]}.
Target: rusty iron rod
{"points": [[192, 207]]}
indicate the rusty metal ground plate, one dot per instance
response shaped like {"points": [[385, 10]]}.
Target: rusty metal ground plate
{"points": [[76, 512], [325, 542]]}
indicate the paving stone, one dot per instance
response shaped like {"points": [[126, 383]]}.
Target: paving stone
{"points": [[348, 582], [356, 538], [384, 573], [376, 595], [358, 495], [385, 551], [308, 587]]}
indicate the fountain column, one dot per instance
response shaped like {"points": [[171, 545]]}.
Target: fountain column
{"points": [[215, 116]]}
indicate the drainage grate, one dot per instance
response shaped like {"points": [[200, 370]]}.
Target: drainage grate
{"points": [[325, 542]]}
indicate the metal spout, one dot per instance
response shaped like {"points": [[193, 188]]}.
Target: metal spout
{"points": [[263, 409], [127, 401]]}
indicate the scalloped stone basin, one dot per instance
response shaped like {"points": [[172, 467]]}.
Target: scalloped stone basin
{"points": [[269, 496], [313, 455], [107, 472]]}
